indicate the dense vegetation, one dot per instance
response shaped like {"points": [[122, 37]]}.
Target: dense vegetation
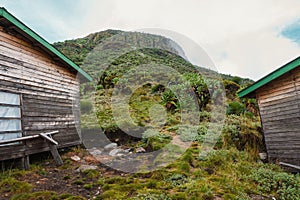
{"points": [[231, 171]]}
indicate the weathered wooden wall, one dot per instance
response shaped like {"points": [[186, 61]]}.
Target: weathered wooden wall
{"points": [[279, 104], [48, 89]]}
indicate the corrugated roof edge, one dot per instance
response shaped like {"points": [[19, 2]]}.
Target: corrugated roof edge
{"points": [[270, 77], [4, 13]]}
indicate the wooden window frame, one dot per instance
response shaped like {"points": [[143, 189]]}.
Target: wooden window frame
{"points": [[20, 106]]}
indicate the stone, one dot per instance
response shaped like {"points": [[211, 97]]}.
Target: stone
{"points": [[75, 158], [140, 150], [116, 152], [84, 168], [95, 152], [129, 150], [263, 156], [111, 146]]}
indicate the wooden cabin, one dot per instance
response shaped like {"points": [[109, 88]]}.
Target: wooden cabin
{"points": [[39, 91], [278, 97]]}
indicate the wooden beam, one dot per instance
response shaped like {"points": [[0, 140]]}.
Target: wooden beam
{"points": [[25, 138], [289, 165], [53, 148], [49, 139]]}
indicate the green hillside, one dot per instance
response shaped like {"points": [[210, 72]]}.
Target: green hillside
{"points": [[169, 103], [107, 64], [160, 111]]}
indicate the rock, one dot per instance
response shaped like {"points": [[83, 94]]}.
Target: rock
{"points": [[129, 150], [95, 152], [91, 159], [84, 168], [263, 156], [111, 146], [75, 158], [116, 152], [140, 150]]}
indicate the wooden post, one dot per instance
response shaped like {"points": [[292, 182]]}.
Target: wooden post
{"points": [[55, 154], [53, 148], [25, 162]]}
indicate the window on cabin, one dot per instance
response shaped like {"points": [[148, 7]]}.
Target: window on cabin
{"points": [[10, 116]]}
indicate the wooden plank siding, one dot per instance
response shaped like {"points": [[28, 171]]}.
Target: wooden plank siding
{"points": [[49, 91], [279, 103]]}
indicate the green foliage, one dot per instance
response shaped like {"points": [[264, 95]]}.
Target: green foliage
{"points": [[237, 80], [46, 195], [236, 108], [92, 173], [86, 106], [226, 174], [78, 182], [78, 49], [229, 172], [176, 179], [152, 196], [88, 186], [231, 87], [281, 184], [155, 140], [11, 185], [220, 159], [200, 87], [169, 99], [244, 133], [190, 133]]}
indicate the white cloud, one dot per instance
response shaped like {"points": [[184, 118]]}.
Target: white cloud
{"points": [[242, 37], [253, 54]]}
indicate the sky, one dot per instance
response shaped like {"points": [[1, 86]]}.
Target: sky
{"points": [[248, 38]]}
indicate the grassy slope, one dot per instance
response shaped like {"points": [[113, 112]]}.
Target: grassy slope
{"points": [[224, 174], [232, 171]]}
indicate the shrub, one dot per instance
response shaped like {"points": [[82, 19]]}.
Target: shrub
{"points": [[152, 196], [169, 99], [281, 184], [236, 108], [237, 80], [231, 87], [86, 106], [176, 179], [244, 133], [11, 185], [155, 140]]}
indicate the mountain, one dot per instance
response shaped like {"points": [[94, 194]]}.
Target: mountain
{"points": [[152, 48], [78, 49], [117, 60]]}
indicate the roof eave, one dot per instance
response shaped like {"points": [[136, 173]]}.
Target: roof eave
{"points": [[270, 77], [20, 25]]}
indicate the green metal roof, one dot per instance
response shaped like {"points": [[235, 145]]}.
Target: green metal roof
{"points": [[4, 13], [270, 77]]}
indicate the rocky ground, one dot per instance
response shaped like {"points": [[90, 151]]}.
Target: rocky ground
{"points": [[86, 174]]}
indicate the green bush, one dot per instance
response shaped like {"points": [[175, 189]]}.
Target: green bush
{"points": [[190, 133], [236, 108], [152, 196], [281, 184], [176, 179], [86, 106], [11, 185], [155, 140], [231, 87], [244, 133], [169, 99]]}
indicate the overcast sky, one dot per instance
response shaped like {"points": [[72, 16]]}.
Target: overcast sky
{"points": [[249, 38]]}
